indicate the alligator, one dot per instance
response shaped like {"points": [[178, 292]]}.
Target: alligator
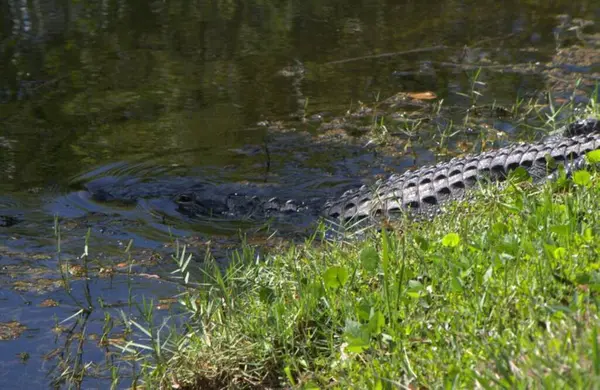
{"points": [[421, 191], [418, 192]]}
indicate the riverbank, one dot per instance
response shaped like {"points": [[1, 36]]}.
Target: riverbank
{"points": [[502, 291]]}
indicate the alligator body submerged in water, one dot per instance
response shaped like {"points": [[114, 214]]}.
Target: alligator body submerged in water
{"points": [[422, 190]]}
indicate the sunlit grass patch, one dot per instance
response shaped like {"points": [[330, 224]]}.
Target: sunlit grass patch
{"points": [[499, 290]]}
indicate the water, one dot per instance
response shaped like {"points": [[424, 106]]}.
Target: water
{"points": [[144, 98]]}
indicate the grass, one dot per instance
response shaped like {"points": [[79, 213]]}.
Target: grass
{"points": [[498, 292]]}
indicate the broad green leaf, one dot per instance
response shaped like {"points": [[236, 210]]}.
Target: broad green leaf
{"points": [[582, 178], [456, 285], [356, 336], [559, 253], [415, 285], [583, 278], [488, 274], [316, 290], [451, 240], [415, 289], [357, 345], [369, 258], [550, 162], [588, 235], [528, 247], [549, 250], [335, 277], [499, 228], [422, 242], [519, 175], [376, 323], [562, 230], [363, 311], [593, 157]]}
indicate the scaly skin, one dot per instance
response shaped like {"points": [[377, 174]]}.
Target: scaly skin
{"points": [[424, 189], [420, 191]]}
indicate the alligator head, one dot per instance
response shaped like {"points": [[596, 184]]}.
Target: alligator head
{"points": [[236, 205]]}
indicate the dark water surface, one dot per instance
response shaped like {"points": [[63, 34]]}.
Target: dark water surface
{"points": [[145, 98]]}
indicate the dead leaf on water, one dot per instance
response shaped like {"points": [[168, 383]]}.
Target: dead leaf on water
{"points": [[428, 95], [165, 303], [38, 286], [148, 276], [48, 303], [11, 330]]}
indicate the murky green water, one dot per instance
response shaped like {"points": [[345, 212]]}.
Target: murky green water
{"points": [[145, 97]]}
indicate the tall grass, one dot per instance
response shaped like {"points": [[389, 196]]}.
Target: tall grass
{"points": [[498, 291]]}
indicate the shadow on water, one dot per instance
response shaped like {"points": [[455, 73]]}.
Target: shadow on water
{"points": [[109, 110]]}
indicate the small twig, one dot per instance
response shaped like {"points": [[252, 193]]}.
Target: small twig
{"points": [[268, 159], [398, 53], [493, 39]]}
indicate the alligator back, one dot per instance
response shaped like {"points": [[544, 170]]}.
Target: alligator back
{"points": [[422, 190]]}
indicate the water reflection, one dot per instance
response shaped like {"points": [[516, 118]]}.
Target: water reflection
{"points": [[89, 84], [133, 101]]}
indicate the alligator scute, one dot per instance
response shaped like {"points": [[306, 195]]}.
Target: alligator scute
{"points": [[416, 191], [420, 191]]}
